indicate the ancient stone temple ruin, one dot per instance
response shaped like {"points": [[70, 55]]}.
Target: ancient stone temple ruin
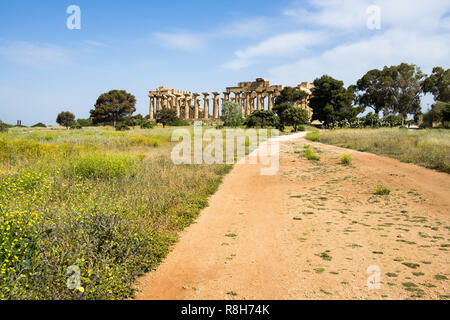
{"points": [[250, 96]]}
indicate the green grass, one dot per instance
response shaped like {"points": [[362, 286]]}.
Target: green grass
{"points": [[440, 277], [411, 265], [313, 136], [231, 235], [310, 153], [325, 256], [382, 190], [111, 203], [346, 159], [428, 148]]}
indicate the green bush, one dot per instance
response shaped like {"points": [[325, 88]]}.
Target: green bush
{"points": [[102, 166], [75, 125], [3, 127], [313, 136], [310, 154], [85, 122], [301, 128], [346, 159], [121, 126], [145, 124], [179, 123], [39, 125], [231, 114], [262, 119], [382, 190]]}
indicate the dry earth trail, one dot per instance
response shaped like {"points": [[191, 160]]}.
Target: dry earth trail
{"points": [[311, 232]]}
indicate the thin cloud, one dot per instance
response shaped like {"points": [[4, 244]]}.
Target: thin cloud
{"points": [[35, 55], [350, 61], [351, 15], [243, 28], [190, 42], [286, 44]]}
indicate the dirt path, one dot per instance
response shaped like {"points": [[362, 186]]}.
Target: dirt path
{"points": [[312, 231]]}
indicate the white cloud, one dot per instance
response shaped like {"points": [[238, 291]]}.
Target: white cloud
{"points": [[412, 31], [278, 46], [350, 61], [336, 14], [190, 42], [351, 15], [35, 55], [253, 27]]}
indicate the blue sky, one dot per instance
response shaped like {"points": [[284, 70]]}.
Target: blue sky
{"points": [[201, 46]]}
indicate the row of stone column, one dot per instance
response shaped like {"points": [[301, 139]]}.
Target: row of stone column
{"points": [[246, 100]]}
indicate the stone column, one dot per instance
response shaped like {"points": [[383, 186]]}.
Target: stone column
{"points": [[226, 97], [177, 104], [174, 101], [250, 102], [158, 103], [187, 107], [163, 101], [258, 101], [216, 105], [237, 98], [206, 105], [196, 105], [247, 103], [242, 103], [168, 101], [152, 107], [270, 102]]}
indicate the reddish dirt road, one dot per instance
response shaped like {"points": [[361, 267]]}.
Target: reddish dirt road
{"points": [[312, 231]]}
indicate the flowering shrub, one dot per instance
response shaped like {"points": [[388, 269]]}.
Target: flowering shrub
{"points": [[64, 203]]}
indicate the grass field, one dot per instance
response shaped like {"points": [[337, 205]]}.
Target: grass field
{"points": [[427, 148], [110, 203]]}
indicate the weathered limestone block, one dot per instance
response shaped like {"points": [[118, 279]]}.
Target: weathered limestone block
{"points": [[216, 104], [260, 100], [187, 105], [251, 102], [242, 103], [158, 103], [226, 97], [152, 107], [178, 103], [196, 105], [205, 105]]}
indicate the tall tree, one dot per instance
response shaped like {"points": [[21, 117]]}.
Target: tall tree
{"points": [[295, 116], [113, 106], [231, 114], [166, 116], [438, 84], [261, 118], [331, 101], [375, 90], [65, 119], [407, 89], [290, 95]]}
